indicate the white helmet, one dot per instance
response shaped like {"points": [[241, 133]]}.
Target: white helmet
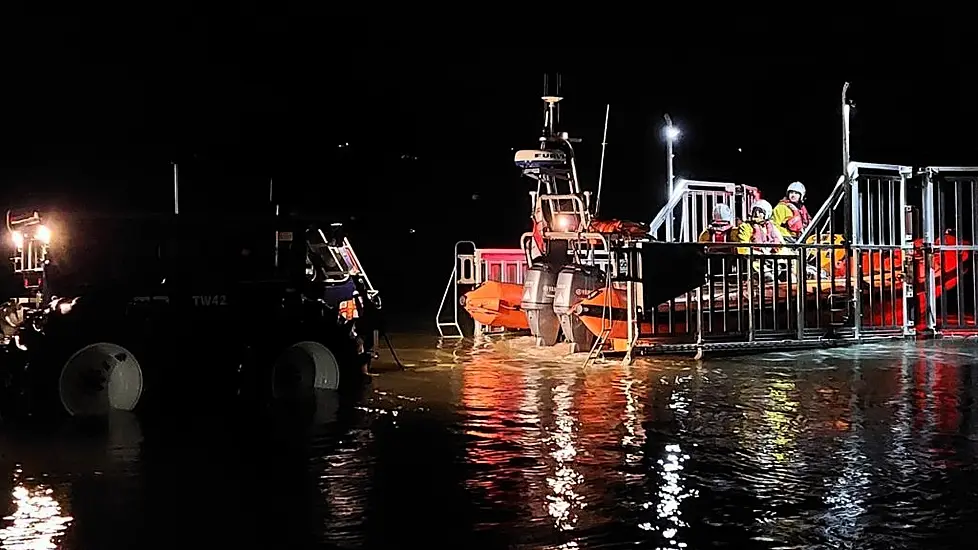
{"points": [[797, 187], [722, 213], [764, 206]]}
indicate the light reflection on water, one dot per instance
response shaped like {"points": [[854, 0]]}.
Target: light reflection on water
{"points": [[37, 521], [504, 445], [565, 503]]}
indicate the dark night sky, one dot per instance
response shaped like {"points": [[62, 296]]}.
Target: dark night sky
{"points": [[95, 112]]}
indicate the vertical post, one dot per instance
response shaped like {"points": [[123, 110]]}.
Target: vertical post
{"points": [[277, 236], [930, 283], [271, 199], [477, 265], [699, 311], [855, 241], [176, 188], [851, 213], [800, 293], [845, 130], [845, 166], [630, 306], [906, 250], [670, 177], [750, 291]]}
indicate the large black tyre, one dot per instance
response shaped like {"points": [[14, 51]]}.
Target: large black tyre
{"points": [[299, 363], [302, 368], [86, 374]]}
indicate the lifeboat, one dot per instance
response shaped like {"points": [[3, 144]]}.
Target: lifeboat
{"points": [[622, 228], [496, 304], [601, 310]]}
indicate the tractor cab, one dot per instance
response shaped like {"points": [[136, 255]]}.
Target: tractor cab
{"points": [[332, 261]]}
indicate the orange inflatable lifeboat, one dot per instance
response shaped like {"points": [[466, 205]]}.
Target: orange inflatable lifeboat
{"points": [[496, 304], [619, 227], [596, 305]]}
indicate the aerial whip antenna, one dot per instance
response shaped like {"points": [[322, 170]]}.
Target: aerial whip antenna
{"points": [[604, 144], [558, 95], [176, 188]]}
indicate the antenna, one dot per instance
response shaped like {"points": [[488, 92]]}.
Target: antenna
{"points": [[604, 143], [271, 199], [176, 188], [558, 95], [551, 110]]}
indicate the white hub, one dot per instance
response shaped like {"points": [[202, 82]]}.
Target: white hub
{"points": [[98, 378], [304, 367]]}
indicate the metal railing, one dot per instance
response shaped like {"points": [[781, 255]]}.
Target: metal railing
{"points": [[949, 196], [472, 267], [803, 293], [695, 201], [848, 277]]}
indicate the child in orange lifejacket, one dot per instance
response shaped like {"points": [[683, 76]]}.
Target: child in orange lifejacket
{"points": [[790, 215], [759, 231], [763, 235]]}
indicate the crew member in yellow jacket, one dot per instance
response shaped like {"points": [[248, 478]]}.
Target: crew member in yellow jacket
{"points": [[790, 215]]}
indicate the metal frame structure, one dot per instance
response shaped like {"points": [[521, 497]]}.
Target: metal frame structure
{"points": [[864, 268], [697, 199], [949, 191], [866, 224], [472, 268]]}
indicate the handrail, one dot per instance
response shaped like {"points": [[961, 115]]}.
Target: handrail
{"points": [[680, 191], [356, 259], [827, 206], [952, 168], [900, 168], [677, 195]]}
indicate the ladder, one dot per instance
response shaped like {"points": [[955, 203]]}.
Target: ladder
{"points": [[464, 276], [599, 342], [450, 329], [598, 346]]}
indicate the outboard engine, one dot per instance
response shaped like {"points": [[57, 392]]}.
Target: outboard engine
{"points": [[574, 283], [538, 303]]}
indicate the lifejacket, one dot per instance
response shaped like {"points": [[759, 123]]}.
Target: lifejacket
{"points": [[764, 233], [539, 226], [800, 218], [720, 233]]}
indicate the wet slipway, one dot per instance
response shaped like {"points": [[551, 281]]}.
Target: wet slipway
{"points": [[503, 445]]}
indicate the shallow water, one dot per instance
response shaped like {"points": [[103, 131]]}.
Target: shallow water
{"points": [[504, 445]]}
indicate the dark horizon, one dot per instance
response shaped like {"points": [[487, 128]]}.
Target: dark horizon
{"points": [[431, 131]]}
